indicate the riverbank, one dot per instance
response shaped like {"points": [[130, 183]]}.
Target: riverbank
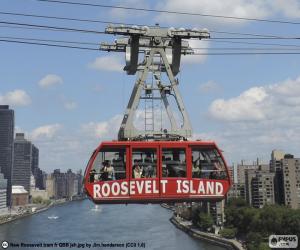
{"points": [[187, 227], [33, 210]]}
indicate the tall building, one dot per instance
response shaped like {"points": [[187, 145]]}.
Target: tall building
{"points": [[7, 123], [241, 186], [50, 186], [60, 184], [241, 169], [250, 174], [291, 181], [72, 183], [231, 174], [276, 157], [22, 162], [3, 191], [262, 189], [64, 185], [80, 182], [276, 167], [36, 171], [216, 210], [236, 190]]}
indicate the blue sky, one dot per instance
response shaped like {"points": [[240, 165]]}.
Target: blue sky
{"points": [[67, 101]]}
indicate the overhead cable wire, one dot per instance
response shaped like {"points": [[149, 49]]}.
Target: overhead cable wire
{"points": [[102, 32], [48, 40], [98, 44], [53, 27], [121, 23], [169, 11], [247, 53], [252, 43], [195, 54], [62, 18], [256, 38], [48, 44]]}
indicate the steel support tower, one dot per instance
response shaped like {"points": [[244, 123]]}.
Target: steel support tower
{"points": [[161, 49]]}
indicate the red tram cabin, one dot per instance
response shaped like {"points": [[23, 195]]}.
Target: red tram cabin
{"points": [[154, 172]]}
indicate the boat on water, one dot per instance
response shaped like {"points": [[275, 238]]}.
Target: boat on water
{"points": [[96, 208], [52, 217]]}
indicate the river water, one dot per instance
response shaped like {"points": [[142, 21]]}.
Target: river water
{"points": [[82, 224]]}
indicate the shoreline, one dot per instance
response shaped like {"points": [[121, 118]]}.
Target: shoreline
{"points": [[12, 218], [187, 227], [208, 237]]}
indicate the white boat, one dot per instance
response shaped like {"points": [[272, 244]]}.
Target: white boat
{"points": [[52, 217], [97, 208]]}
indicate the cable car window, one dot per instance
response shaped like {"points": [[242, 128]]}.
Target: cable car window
{"points": [[109, 164], [144, 163], [207, 164], [173, 162]]}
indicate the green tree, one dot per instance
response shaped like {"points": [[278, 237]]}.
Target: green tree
{"points": [[228, 232], [37, 200], [271, 220], [236, 202], [253, 239], [263, 246], [205, 221]]}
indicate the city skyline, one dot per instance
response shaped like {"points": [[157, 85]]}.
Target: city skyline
{"points": [[67, 101]]}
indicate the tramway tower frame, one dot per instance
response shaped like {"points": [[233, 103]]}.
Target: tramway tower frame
{"points": [[162, 49]]}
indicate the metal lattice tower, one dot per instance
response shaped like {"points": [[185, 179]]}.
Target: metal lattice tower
{"points": [[162, 49]]}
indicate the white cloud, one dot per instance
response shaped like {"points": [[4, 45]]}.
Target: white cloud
{"points": [[236, 8], [50, 80], [209, 87], [245, 107], [271, 102], [108, 63], [46, 131], [70, 105], [239, 8], [104, 129], [194, 59], [16, 97], [259, 120], [289, 8]]}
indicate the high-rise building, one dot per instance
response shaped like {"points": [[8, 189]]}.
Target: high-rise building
{"points": [[50, 186], [251, 173], [262, 188], [36, 171], [3, 191], [276, 157], [241, 168], [22, 162], [71, 180], [60, 184], [291, 181], [236, 190], [216, 210], [7, 121], [35, 158], [80, 182], [231, 174], [276, 167]]}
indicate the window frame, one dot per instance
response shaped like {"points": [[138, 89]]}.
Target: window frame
{"points": [[136, 147], [218, 155], [187, 160], [116, 148]]}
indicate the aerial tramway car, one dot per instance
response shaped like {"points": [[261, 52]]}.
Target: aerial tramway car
{"points": [[168, 167], [156, 171]]}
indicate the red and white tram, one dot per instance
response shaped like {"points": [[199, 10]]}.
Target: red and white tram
{"points": [[156, 171]]}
